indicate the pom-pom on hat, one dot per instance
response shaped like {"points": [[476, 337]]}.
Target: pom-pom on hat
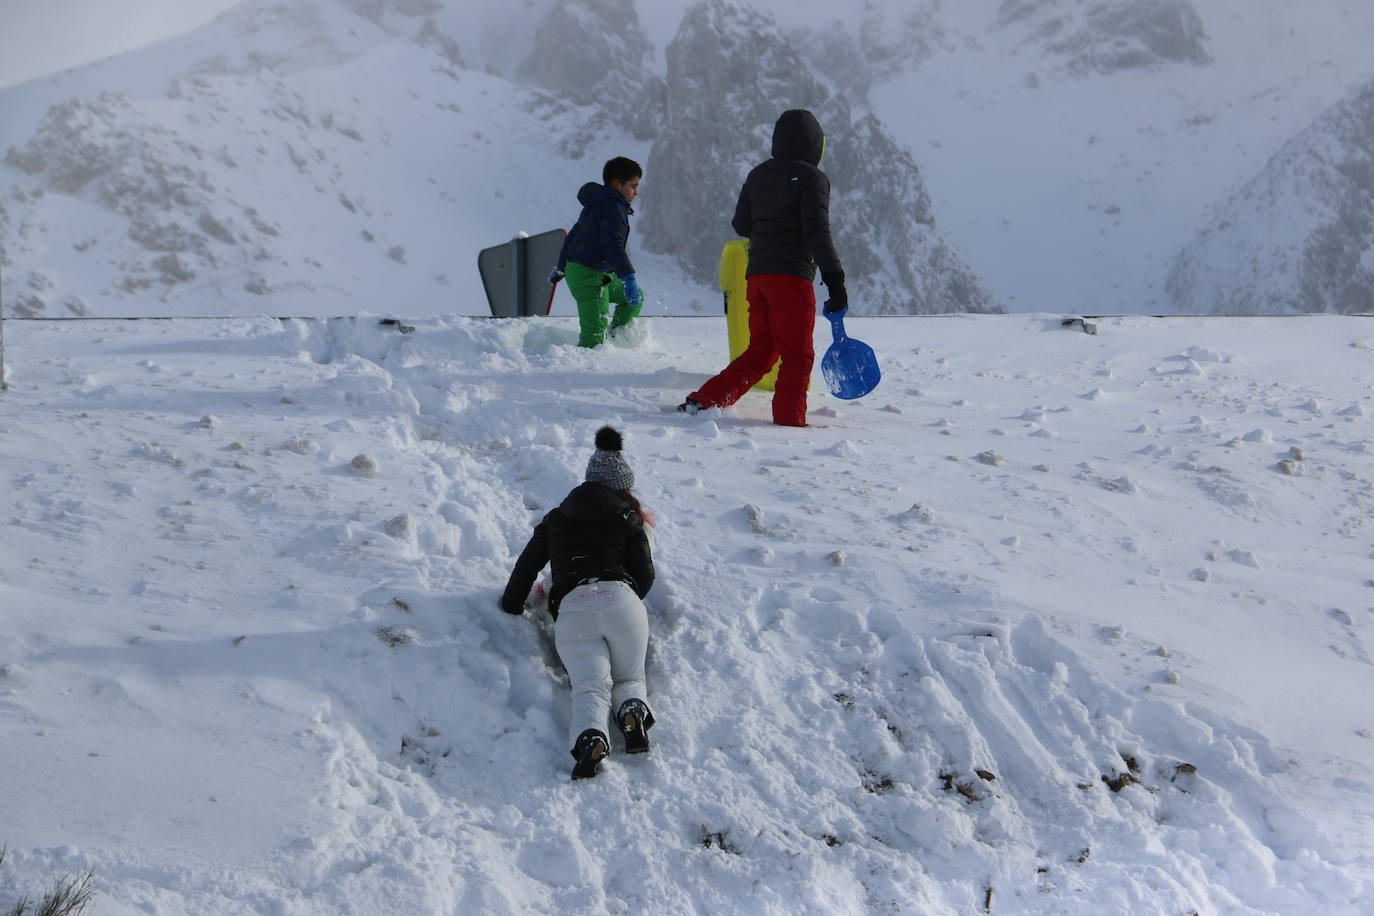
{"points": [[606, 466]]}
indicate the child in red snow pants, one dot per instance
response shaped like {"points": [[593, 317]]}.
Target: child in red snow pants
{"points": [[782, 317]]}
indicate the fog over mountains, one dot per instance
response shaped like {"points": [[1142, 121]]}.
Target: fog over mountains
{"points": [[1106, 37], [1026, 155], [1299, 237]]}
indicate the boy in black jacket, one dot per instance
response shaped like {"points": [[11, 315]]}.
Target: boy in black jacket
{"points": [[593, 258], [784, 211]]}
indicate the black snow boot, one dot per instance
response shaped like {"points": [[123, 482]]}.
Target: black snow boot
{"points": [[635, 720], [591, 748], [690, 407]]}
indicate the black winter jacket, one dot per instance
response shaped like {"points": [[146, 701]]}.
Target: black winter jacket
{"points": [[598, 238], [784, 206], [593, 534]]}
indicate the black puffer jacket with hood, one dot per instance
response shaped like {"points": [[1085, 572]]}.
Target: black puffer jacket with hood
{"points": [[594, 534], [784, 207]]}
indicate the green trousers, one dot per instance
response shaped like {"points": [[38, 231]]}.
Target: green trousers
{"points": [[594, 291]]}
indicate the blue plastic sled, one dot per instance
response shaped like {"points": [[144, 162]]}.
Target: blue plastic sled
{"points": [[850, 366]]}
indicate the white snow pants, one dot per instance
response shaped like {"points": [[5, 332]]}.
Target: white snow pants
{"points": [[602, 635]]}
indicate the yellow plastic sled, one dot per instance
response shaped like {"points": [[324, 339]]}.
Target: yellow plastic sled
{"points": [[734, 261]]}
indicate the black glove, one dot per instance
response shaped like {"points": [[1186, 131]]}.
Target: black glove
{"points": [[839, 299]]}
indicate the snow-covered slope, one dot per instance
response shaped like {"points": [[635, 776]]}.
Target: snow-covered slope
{"points": [[1050, 623], [329, 157], [594, 53], [274, 162], [1072, 189], [1299, 237]]}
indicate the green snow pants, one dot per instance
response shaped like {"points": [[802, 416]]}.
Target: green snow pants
{"points": [[594, 291]]}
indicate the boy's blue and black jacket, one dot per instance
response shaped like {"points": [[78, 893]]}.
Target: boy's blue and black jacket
{"points": [[598, 239]]}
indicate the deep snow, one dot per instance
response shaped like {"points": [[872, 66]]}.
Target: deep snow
{"points": [[1049, 623]]}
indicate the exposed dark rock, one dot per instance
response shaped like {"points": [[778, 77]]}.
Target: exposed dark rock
{"points": [[593, 52], [434, 36], [1107, 37]]}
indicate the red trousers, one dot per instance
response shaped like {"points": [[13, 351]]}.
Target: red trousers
{"points": [[782, 317]]}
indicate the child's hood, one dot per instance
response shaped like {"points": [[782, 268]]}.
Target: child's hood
{"points": [[594, 192], [798, 135]]}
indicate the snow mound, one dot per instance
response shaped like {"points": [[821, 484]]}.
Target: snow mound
{"points": [[236, 675]]}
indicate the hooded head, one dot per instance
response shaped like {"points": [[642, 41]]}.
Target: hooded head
{"points": [[798, 135], [606, 466]]}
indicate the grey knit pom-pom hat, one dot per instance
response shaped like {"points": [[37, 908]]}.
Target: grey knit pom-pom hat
{"points": [[607, 467]]}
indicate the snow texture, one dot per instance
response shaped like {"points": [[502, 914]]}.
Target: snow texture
{"points": [[328, 157], [1110, 672]]}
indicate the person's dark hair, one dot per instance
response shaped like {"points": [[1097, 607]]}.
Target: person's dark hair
{"points": [[629, 497], [620, 169]]}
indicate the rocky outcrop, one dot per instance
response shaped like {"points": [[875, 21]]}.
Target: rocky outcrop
{"points": [[106, 150], [593, 52], [436, 38], [1095, 37], [379, 10], [731, 72], [879, 40], [160, 185], [903, 36], [1298, 237], [885, 227]]}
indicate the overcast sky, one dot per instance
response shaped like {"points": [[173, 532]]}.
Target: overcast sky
{"points": [[38, 37]]}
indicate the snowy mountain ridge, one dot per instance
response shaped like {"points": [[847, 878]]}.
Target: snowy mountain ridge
{"points": [[282, 173], [1071, 186], [997, 154], [728, 70], [1299, 237], [1108, 37], [902, 264]]}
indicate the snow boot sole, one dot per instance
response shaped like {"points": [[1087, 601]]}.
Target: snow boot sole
{"points": [[591, 750], [636, 735]]}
